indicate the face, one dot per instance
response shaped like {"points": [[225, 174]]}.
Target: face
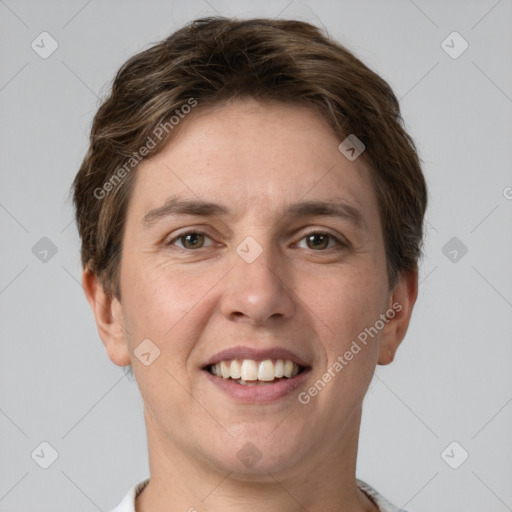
{"points": [[285, 262]]}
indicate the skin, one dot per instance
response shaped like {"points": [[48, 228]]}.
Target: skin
{"points": [[254, 158]]}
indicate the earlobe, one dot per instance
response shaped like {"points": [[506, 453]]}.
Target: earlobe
{"points": [[109, 319], [401, 302]]}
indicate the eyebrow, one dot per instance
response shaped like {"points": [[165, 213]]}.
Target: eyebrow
{"points": [[337, 207]]}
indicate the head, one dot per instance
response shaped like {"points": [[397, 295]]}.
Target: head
{"points": [[250, 115]]}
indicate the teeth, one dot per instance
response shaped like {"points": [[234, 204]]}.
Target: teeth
{"points": [[279, 368], [288, 368], [234, 369], [266, 370], [224, 368], [248, 370]]}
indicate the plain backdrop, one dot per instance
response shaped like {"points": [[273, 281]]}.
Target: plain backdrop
{"points": [[451, 381]]}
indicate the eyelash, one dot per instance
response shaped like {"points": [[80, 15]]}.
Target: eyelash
{"points": [[342, 245]]}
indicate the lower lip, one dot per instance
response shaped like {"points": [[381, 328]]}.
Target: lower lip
{"points": [[258, 393]]}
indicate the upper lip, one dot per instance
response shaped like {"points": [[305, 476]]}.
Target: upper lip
{"points": [[241, 352]]}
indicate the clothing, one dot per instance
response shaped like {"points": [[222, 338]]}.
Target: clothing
{"points": [[128, 503]]}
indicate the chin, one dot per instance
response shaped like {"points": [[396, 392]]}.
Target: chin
{"points": [[253, 456]]}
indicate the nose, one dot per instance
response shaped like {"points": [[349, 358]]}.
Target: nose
{"points": [[257, 292]]}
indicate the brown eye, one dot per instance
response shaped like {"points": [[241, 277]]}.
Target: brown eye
{"points": [[193, 240], [319, 241], [190, 240]]}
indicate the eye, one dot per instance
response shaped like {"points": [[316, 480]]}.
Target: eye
{"points": [[319, 240], [191, 240], [316, 240]]}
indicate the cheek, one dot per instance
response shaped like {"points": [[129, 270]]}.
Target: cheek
{"points": [[347, 301], [167, 304], [163, 305], [346, 314]]}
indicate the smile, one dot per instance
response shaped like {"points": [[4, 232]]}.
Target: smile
{"points": [[251, 375], [250, 372]]}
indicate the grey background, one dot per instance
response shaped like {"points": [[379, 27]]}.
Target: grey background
{"points": [[451, 380]]}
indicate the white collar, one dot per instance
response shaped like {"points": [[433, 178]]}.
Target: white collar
{"points": [[128, 503]]}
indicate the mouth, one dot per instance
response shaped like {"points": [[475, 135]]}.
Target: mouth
{"points": [[250, 372], [252, 375]]}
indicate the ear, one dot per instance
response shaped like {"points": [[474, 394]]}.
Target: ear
{"points": [[109, 319], [401, 303]]}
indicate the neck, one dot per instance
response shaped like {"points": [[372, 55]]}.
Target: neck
{"points": [[324, 481]]}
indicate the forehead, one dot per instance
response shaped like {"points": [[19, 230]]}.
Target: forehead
{"points": [[257, 157]]}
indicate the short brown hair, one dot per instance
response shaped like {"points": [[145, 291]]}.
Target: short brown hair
{"points": [[216, 60]]}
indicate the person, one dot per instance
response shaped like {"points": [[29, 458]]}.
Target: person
{"points": [[251, 211]]}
